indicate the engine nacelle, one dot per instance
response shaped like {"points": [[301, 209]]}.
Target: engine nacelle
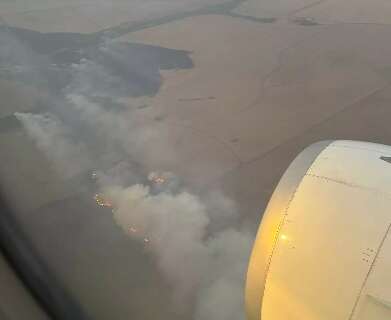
{"points": [[323, 250]]}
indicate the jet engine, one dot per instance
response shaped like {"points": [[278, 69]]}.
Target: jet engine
{"points": [[323, 249]]}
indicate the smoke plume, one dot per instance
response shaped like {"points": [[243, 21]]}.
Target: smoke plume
{"points": [[68, 156], [196, 239]]}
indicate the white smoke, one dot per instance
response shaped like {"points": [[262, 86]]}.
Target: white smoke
{"points": [[68, 155], [146, 143], [206, 268], [196, 240], [222, 293], [176, 226]]}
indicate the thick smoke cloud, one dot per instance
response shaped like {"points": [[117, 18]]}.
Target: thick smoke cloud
{"points": [[141, 141], [208, 268], [195, 239]]}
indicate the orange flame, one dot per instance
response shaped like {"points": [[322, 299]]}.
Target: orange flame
{"points": [[102, 201]]}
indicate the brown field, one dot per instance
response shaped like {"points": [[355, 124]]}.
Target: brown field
{"points": [[278, 8], [276, 90], [352, 11], [85, 16], [260, 91], [256, 89]]}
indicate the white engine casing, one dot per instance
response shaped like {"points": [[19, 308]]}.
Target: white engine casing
{"points": [[323, 250]]}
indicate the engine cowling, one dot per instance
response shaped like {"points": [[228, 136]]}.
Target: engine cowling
{"points": [[323, 249]]}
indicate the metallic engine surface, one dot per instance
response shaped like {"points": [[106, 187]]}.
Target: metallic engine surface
{"points": [[323, 250]]}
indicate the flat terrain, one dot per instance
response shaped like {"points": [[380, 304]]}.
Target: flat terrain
{"points": [[89, 15], [278, 8], [278, 85], [231, 92], [325, 11], [353, 11]]}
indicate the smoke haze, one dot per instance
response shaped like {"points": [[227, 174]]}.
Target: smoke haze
{"points": [[195, 238]]}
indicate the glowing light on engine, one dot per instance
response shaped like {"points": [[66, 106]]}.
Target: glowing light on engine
{"points": [[284, 237]]}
